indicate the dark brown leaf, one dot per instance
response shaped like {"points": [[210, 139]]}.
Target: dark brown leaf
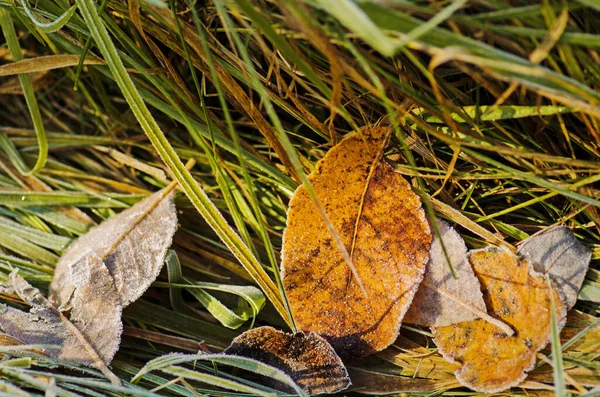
{"points": [[306, 357]]}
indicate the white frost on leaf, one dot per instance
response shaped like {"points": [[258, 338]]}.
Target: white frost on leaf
{"points": [[441, 299], [557, 252]]}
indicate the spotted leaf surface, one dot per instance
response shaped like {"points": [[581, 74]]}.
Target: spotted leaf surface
{"points": [[492, 361], [382, 225]]}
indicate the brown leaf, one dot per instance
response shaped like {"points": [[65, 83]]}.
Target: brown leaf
{"points": [[442, 299], [382, 224], [307, 358], [491, 360], [132, 245], [557, 252]]}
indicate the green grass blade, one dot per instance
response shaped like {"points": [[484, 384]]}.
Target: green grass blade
{"points": [[48, 27], [15, 50], [506, 112], [230, 318], [247, 364], [590, 291], [194, 192], [440, 17], [27, 249], [560, 385], [43, 239], [595, 4], [214, 381], [175, 277], [349, 14]]}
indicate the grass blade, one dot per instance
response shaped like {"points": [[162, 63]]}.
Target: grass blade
{"points": [[196, 195], [48, 27], [15, 50]]}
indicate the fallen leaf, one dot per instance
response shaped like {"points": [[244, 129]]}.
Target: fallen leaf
{"points": [[307, 358], [442, 299], [93, 332], [132, 245], [492, 361], [382, 224], [100, 273], [559, 253]]}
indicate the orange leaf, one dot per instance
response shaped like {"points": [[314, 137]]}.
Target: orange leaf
{"points": [[517, 295], [381, 223]]}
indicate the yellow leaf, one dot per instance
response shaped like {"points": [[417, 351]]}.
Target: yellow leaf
{"points": [[491, 360], [381, 223]]}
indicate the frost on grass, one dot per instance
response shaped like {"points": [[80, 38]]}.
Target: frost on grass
{"points": [[557, 252], [442, 299]]}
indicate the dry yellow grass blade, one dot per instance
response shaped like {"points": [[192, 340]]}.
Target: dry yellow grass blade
{"points": [[44, 63]]}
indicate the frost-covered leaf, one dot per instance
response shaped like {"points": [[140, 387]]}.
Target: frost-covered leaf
{"points": [[557, 252], [103, 271], [491, 360], [132, 244], [442, 299], [306, 357], [93, 332], [381, 223]]}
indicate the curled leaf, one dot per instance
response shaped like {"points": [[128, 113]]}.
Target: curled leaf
{"points": [[442, 299], [557, 252], [492, 361], [381, 223], [132, 244], [93, 332], [306, 357]]}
